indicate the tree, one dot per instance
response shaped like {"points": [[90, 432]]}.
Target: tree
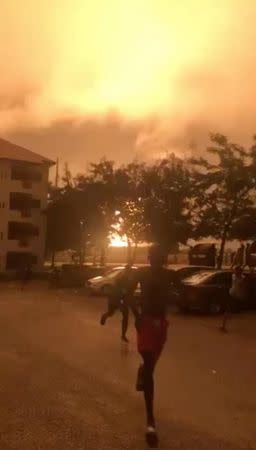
{"points": [[141, 202], [224, 183], [64, 216], [66, 213], [167, 190], [131, 207], [244, 227], [131, 225], [103, 186]]}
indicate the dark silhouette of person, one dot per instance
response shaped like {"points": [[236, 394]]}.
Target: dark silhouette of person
{"points": [[151, 325], [117, 300], [240, 256], [237, 295], [248, 259], [26, 274]]}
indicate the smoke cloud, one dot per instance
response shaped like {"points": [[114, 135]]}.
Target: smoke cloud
{"points": [[157, 75]]}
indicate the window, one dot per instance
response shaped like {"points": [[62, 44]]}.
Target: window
{"points": [[113, 273], [200, 277], [220, 279], [20, 201], [23, 202], [223, 278], [22, 230], [26, 172], [18, 260]]}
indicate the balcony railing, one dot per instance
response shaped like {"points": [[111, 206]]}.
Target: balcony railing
{"points": [[22, 230], [26, 172], [23, 202], [20, 260]]}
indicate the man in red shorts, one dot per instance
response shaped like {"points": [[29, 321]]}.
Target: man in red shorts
{"points": [[151, 325]]}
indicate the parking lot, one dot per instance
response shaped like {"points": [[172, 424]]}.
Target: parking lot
{"points": [[68, 383]]}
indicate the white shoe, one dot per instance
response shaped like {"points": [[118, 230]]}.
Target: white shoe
{"points": [[151, 430]]}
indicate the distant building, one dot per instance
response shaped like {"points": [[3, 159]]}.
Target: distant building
{"points": [[23, 199]]}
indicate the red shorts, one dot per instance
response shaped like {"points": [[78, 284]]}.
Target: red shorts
{"points": [[152, 335]]}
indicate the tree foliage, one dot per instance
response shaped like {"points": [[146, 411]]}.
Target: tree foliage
{"points": [[224, 185], [167, 201]]}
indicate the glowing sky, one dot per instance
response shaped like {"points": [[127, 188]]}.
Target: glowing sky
{"points": [[122, 77]]}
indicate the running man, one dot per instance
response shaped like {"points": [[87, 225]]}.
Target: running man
{"points": [[151, 325], [25, 274], [237, 295], [117, 300]]}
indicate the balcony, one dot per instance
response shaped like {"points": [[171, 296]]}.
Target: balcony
{"points": [[26, 172], [18, 260], [22, 231], [23, 203]]}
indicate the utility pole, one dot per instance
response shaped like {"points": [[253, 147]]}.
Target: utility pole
{"points": [[57, 173], [56, 186]]}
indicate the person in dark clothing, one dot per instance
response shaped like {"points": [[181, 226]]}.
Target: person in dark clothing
{"points": [[240, 257], [151, 325], [237, 295], [25, 274], [250, 287], [117, 301]]}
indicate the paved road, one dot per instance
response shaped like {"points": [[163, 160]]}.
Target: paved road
{"points": [[67, 383]]}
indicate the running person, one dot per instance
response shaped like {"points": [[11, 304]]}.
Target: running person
{"points": [[117, 300], [237, 295], [151, 325], [25, 274]]}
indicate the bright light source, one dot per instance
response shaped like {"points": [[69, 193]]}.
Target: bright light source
{"points": [[117, 241]]}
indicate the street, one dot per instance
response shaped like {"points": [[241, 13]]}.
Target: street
{"points": [[68, 383]]}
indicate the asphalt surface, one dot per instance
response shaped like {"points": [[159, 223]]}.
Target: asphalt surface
{"points": [[68, 383]]}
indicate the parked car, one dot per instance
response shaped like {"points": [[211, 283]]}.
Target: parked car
{"points": [[203, 254], [209, 292], [101, 285], [72, 275], [184, 271], [178, 273]]}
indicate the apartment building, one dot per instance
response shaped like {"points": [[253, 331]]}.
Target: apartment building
{"points": [[23, 200]]}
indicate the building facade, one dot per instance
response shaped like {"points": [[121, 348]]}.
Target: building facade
{"points": [[23, 200]]}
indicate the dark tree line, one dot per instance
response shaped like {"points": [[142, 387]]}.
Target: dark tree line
{"points": [[168, 201]]}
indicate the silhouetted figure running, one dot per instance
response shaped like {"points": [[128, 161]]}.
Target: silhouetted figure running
{"points": [[25, 275], [151, 325], [237, 295], [117, 300]]}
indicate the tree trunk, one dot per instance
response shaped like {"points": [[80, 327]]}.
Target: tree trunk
{"points": [[225, 233], [81, 257], [102, 256], [53, 260], [94, 257], [134, 252], [129, 251], [222, 247]]}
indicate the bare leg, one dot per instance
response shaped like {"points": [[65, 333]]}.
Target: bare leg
{"points": [[125, 320], [148, 379], [226, 316], [110, 312]]}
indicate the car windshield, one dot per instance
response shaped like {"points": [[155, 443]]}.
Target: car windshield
{"points": [[186, 272], [199, 277], [113, 272]]}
